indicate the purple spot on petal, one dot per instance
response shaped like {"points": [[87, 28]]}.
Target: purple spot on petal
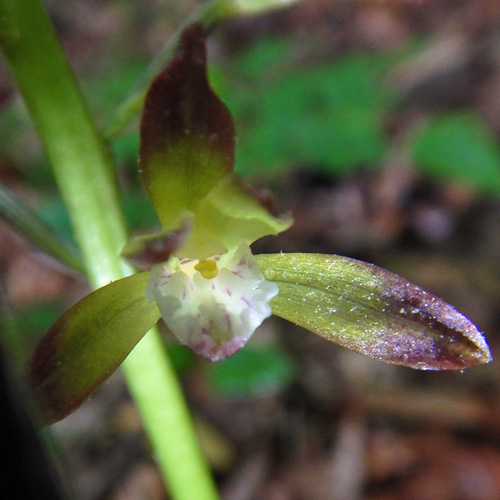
{"points": [[247, 302], [209, 350]]}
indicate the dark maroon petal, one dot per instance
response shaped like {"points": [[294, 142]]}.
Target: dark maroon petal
{"points": [[146, 251]]}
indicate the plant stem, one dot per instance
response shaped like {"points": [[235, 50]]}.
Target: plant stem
{"points": [[86, 180], [80, 163]]}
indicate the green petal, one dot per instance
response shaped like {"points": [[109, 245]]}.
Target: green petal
{"points": [[86, 345], [372, 311], [187, 133], [230, 215]]}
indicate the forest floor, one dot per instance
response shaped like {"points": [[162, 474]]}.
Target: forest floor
{"points": [[342, 426]]}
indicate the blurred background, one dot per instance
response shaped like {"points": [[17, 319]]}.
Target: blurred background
{"points": [[377, 124]]}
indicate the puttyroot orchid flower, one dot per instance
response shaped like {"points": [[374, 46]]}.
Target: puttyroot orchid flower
{"points": [[213, 305], [199, 274]]}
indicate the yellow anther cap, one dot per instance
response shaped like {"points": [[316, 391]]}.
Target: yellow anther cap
{"points": [[207, 268]]}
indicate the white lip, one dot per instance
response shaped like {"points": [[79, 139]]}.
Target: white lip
{"points": [[214, 317]]}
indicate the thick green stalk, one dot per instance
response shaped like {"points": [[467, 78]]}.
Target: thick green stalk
{"points": [[85, 176], [80, 162]]}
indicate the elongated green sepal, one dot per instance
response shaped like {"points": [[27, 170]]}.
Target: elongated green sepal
{"points": [[86, 345], [187, 158], [187, 133], [372, 311]]}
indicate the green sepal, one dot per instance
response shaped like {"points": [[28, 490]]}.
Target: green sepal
{"points": [[372, 311], [187, 133], [86, 345], [230, 215], [187, 158]]}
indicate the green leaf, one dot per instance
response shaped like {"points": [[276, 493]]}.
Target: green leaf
{"points": [[86, 345], [187, 133], [262, 55], [36, 318], [372, 311], [459, 147], [253, 371], [331, 115]]}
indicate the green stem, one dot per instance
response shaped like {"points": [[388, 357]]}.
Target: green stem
{"points": [[85, 176]]}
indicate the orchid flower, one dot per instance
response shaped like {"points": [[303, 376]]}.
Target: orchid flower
{"points": [[200, 276]]}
